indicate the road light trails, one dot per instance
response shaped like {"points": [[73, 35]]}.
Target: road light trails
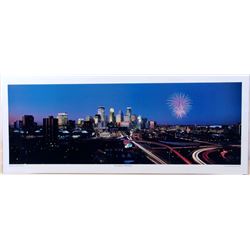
{"points": [[196, 153], [205, 156], [153, 156], [155, 162], [171, 149]]}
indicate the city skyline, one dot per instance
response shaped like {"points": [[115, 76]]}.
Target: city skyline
{"points": [[212, 103], [65, 116]]}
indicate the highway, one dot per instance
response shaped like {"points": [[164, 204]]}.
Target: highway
{"points": [[155, 158], [171, 149], [154, 151], [196, 154]]}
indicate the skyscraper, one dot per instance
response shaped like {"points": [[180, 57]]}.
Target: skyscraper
{"points": [[133, 118], [62, 120], [28, 123], [112, 115], [50, 128], [119, 117], [152, 124], [101, 112], [129, 112], [141, 122], [97, 119]]}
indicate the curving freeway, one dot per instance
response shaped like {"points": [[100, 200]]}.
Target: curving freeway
{"points": [[171, 149], [196, 154]]}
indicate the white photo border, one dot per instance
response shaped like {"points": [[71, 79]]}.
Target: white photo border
{"points": [[123, 168]]}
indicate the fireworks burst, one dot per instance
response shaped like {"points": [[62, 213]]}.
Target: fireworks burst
{"points": [[180, 105]]}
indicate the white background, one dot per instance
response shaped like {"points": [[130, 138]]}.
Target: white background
{"points": [[124, 211]]}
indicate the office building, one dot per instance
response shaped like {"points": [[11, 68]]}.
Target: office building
{"points": [[71, 124], [89, 119], [129, 112], [97, 119], [62, 120], [28, 123], [18, 124], [145, 123], [50, 128], [119, 117], [80, 122], [112, 115], [133, 118], [88, 126], [101, 112], [141, 122], [126, 118], [152, 124]]}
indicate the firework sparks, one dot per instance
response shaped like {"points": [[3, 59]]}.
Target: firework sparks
{"points": [[180, 105]]}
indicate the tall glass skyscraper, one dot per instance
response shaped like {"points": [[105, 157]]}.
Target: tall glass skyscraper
{"points": [[119, 117], [112, 115], [129, 112], [101, 112], [62, 119]]}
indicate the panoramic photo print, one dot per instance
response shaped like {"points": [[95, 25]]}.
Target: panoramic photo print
{"points": [[147, 123]]}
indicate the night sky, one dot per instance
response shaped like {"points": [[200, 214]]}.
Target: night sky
{"points": [[212, 103]]}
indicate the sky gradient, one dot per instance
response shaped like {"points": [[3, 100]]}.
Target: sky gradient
{"points": [[211, 103]]}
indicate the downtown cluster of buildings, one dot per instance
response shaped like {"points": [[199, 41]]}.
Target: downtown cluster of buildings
{"points": [[102, 120], [127, 120]]}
